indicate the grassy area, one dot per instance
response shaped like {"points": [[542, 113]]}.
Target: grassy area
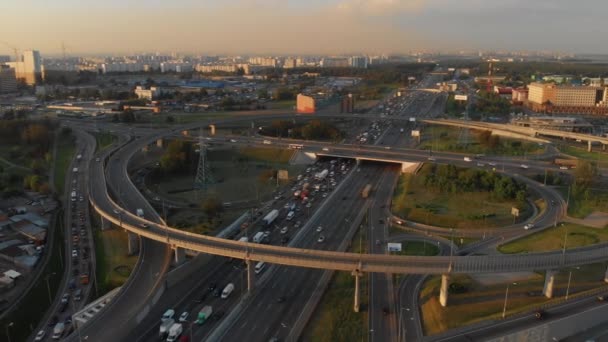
{"points": [[470, 302], [186, 118], [553, 239], [580, 205], [451, 139], [581, 152], [268, 155], [335, 319], [104, 140], [418, 248], [413, 201], [285, 104], [34, 305], [114, 265], [65, 152]]}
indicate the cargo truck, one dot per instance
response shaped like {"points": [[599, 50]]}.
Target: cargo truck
{"points": [[366, 190], [175, 332], [205, 313], [140, 212], [270, 217], [165, 325]]}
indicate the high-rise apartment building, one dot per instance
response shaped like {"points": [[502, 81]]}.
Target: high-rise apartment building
{"points": [[29, 68], [8, 81], [358, 61]]}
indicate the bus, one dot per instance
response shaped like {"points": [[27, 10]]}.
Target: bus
{"points": [[296, 146]]}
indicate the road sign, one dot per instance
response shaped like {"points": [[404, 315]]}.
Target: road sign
{"points": [[460, 97], [283, 174], [515, 212], [415, 133]]}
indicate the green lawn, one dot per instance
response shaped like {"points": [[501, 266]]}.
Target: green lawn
{"points": [[65, 152], [553, 239], [36, 302], [334, 319], [582, 204], [104, 140], [113, 263], [268, 155], [418, 248], [285, 104], [413, 201], [186, 118], [595, 156], [479, 302], [453, 139]]}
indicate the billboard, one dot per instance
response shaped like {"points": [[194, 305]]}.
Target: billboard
{"points": [[415, 133], [394, 246], [283, 174], [460, 97], [412, 119]]}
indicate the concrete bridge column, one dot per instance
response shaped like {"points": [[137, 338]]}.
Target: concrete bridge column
{"points": [[603, 147], [358, 161], [606, 276], [589, 146], [250, 275], [180, 255], [549, 283], [443, 291], [105, 224], [132, 243], [159, 143], [357, 274], [212, 129]]}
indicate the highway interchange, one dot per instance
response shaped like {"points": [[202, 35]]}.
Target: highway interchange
{"points": [[155, 256]]}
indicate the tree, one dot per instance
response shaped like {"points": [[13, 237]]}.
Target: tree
{"points": [[170, 119], [585, 173], [212, 206]]}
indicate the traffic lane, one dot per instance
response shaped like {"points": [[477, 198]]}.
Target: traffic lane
{"points": [[228, 276], [381, 321], [299, 276]]}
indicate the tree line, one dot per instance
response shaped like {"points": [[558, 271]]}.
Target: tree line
{"points": [[313, 130], [450, 179]]}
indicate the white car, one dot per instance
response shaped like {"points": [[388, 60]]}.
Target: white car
{"points": [[319, 229], [528, 226], [40, 335], [524, 166], [284, 230], [74, 253], [325, 149], [481, 164], [232, 140], [321, 238], [168, 315], [563, 168], [184, 316], [431, 158]]}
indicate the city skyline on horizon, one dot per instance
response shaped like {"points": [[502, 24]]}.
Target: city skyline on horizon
{"points": [[273, 27]]}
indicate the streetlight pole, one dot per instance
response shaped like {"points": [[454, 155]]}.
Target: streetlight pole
{"points": [[504, 309], [569, 279], [48, 287], [8, 335]]}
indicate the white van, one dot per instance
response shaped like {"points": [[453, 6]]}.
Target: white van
{"points": [[290, 215], [259, 267], [227, 290]]}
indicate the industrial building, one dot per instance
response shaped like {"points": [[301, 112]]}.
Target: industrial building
{"points": [[148, 94], [305, 104], [347, 105], [551, 98], [567, 124]]}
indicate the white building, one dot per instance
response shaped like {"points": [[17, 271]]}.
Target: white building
{"points": [[176, 67], [122, 67], [28, 69], [148, 94], [358, 62]]}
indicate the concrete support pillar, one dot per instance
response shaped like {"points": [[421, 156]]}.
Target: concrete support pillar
{"points": [[358, 161], [549, 283], [443, 291], [212, 130], [132, 243], [250, 275], [180, 255], [603, 147], [105, 224], [357, 274], [606, 276], [145, 149], [159, 143], [589, 146]]}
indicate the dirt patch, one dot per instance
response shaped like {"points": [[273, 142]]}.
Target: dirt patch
{"points": [[487, 279]]}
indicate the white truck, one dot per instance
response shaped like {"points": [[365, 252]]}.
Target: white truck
{"points": [[175, 332], [227, 291], [204, 314], [244, 239], [258, 237], [321, 175], [140, 212], [468, 159], [58, 330], [270, 217], [165, 325]]}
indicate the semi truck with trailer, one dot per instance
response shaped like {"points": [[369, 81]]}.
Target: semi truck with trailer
{"points": [[270, 217]]}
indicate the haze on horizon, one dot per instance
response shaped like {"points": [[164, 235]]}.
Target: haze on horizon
{"points": [[303, 27]]}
